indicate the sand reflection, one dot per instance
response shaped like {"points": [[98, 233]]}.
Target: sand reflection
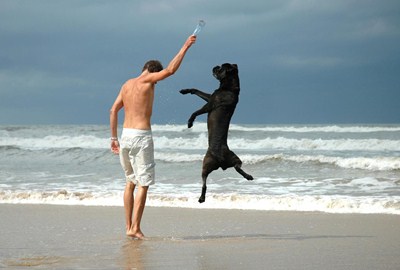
{"points": [[133, 252]]}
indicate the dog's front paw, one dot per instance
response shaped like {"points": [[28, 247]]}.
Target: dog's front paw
{"points": [[249, 177], [190, 121], [185, 91], [190, 124]]}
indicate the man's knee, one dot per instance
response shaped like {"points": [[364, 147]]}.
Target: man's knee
{"points": [[130, 185], [142, 189]]}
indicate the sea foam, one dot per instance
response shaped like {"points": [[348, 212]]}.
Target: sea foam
{"points": [[328, 204]]}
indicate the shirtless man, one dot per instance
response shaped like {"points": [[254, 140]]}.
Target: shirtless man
{"points": [[136, 150]]}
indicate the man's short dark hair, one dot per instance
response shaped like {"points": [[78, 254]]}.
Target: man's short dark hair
{"points": [[153, 66]]}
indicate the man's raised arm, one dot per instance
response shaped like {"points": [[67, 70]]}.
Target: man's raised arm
{"points": [[173, 66]]}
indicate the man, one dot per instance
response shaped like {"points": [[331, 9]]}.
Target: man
{"points": [[136, 150]]}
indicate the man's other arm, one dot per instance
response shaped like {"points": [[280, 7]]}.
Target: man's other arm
{"points": [[116, 107]]}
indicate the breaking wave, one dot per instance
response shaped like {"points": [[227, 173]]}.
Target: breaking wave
{"points": [[200, 142], [364, 163], [202, 127], [329, 204]]}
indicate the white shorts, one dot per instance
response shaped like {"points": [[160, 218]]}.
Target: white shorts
{"points": [[137, 156]]}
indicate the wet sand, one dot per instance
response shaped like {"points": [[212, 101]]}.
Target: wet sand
{"points": [[76, 237]]}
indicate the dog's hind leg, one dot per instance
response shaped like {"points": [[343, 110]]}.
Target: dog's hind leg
{"points": [[243, 173], [209, 164], [237, 164], [203, 188]]}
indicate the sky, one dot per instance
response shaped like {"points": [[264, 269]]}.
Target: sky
{"points": [[300, 61]]}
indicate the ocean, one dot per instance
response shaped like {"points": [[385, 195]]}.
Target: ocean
{"points": [[327, 168]]}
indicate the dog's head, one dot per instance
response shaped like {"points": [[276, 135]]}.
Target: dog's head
{"points": [[225, 71]]}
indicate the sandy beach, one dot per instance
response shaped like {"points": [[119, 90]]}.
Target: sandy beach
{"points": [[91, 237]]}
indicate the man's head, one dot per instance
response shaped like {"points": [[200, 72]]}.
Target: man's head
{"points": [[152, 66]]}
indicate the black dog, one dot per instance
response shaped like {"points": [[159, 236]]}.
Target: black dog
{"points": [[220, 108]]}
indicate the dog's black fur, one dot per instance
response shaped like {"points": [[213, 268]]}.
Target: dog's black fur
{"points": [[220, 107]]}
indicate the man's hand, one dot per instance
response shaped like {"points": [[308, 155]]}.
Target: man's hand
{"points": [[190, 41], [115, 147]]}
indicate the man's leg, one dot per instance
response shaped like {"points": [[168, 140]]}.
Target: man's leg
{"points": [[138, 208], [128, 204]]}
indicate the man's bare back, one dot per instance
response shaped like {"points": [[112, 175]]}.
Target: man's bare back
{"points": [[137, 97]]}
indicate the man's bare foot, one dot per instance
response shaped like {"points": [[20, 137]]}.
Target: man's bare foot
{"points": [[138, 234], [127, 229]]}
